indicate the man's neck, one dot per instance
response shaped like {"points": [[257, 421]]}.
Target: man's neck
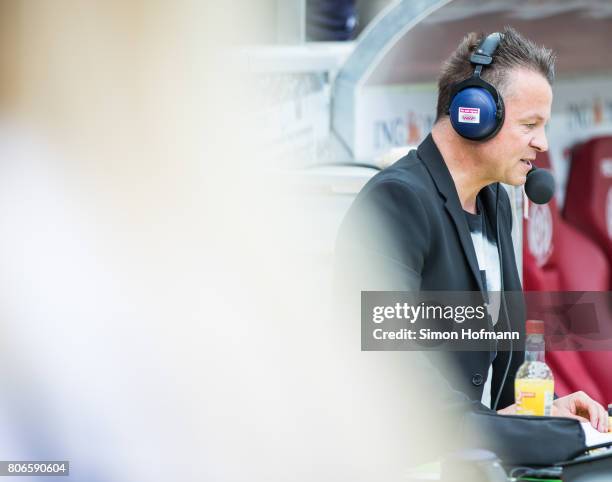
{"points": [[460, 158]]}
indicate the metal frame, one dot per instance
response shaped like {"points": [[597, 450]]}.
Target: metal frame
{"points": [[373, 44]]}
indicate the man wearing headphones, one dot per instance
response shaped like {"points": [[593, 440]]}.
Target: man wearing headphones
{"points": [[438, 219]]}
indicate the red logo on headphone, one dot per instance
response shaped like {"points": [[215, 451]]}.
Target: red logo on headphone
{"points": [[469, 115]]}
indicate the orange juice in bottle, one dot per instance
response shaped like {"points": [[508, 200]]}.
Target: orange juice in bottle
{"points": [[534, 385]]}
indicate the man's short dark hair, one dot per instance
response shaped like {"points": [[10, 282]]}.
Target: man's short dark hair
{"points": [[514, 51]]}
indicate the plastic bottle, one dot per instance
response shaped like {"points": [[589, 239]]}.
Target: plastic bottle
{"points": [[534, 384]]}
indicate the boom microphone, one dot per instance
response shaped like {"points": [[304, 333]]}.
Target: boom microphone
{"points": [[540, 185]]}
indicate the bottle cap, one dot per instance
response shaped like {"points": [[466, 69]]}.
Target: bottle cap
{"points": [[535, 327]]}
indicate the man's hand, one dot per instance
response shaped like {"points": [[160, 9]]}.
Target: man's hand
{"points": [[580, 406]]}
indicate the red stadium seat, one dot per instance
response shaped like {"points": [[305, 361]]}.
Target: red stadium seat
{"points": [[588, 201], [555, 255]]}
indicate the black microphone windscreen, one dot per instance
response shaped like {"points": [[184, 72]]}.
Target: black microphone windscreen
{"points": [[540, 186]]}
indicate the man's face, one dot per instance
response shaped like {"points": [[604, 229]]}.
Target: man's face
{"points": [[508, 157]]}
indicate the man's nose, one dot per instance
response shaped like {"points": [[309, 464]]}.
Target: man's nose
{"points": [[539, 142]]}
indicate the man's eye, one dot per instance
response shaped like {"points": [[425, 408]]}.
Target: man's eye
{"points": [[530, 125]]}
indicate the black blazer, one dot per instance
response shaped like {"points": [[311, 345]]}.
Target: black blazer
{"points": [[407, 231]]}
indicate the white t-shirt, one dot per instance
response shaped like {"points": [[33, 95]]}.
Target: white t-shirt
{"points": [[485, 246]]}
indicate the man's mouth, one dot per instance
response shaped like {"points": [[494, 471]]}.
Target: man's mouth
{"points": [[528, 162]]}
